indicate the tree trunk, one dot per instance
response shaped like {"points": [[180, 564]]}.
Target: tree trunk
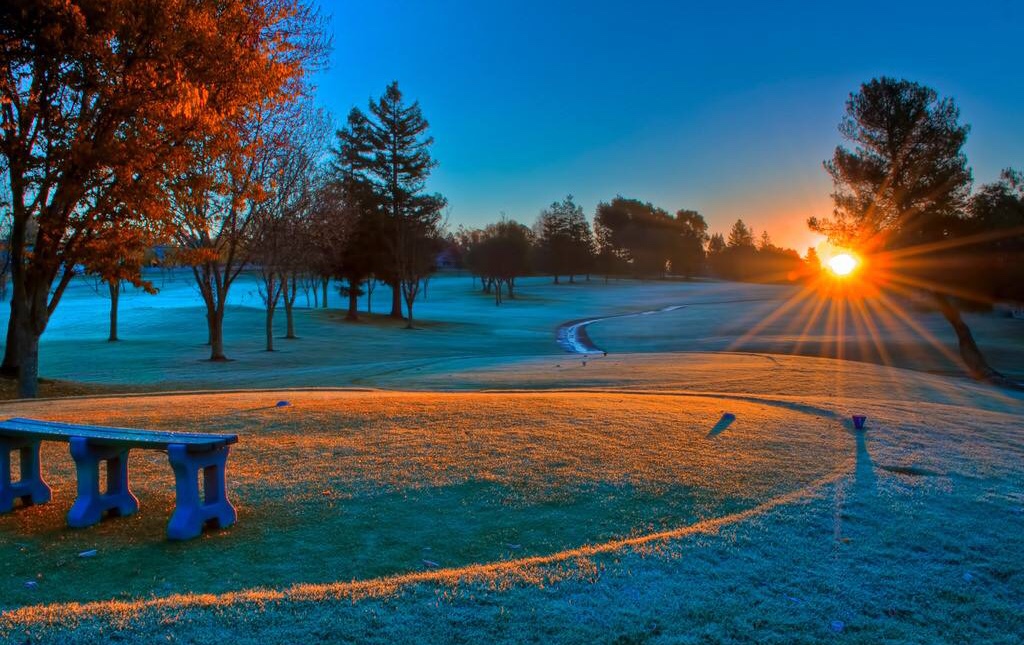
{"points": [[216, 323], [115, 294], [324, 282], [353, 302], [396, 299], [28, 365], [289, 292], [12, 351], [509, 284], [270, 328], [410, 294], [974, 360], [572, 279], [556, 279]]}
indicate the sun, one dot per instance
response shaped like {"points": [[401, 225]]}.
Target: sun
{"points": [[843, 264]]}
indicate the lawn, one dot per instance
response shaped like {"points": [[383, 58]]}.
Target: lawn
{"points": [[504, 490], [495, 515]]}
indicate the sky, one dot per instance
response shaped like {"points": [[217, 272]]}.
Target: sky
{"points": [[728, 108]]}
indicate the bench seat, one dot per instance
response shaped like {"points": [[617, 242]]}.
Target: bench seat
{"points": [[190, 454], [111, 436]]}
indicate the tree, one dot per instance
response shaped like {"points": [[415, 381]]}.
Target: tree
{"points": [[812, 262], [355, 216], [284, 220], [637, 233], [218, 203], [97, 99], [901, 191], [500, 254], [389, 150], [119, 256], [716, 244], [419, 240], [691, 234], [740, 236], [717, 258], [559, 235], [270, 251], [995, 227], [5, 243], [580, 242]]}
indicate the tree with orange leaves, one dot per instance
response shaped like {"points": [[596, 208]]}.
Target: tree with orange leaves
{"points": [[219, 205], [101, 102], [118, 253]]}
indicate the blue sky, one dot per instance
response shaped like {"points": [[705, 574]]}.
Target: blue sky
{"points": [[726, 107]]}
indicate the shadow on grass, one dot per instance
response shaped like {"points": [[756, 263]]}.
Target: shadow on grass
{"points": [[722, 424], [283, 540]]}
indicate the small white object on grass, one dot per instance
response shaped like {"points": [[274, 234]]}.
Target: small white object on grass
{"points": [[837, 625], [91, 553], [31, 584], [430, 564]]}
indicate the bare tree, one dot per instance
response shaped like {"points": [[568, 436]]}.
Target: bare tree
{"points": [[282, 233], [217, 203]]}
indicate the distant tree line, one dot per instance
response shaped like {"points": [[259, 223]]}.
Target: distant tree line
{"points": [[629, 239]]}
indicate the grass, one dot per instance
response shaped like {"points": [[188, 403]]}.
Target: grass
{"points": [[357, 485], [537, 499], [631, 523]]}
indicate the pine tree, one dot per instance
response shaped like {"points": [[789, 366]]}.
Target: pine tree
{"points": [[389, 150], [902, 189], [740, 236], [562, 232]]}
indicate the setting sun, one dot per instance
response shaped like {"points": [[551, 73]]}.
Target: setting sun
{"points": [[843, 264]]}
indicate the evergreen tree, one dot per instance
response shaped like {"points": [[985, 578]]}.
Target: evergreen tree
{"points": [[561, 232], [901, 191], [740, 236], [716, 244], [388, 149]]}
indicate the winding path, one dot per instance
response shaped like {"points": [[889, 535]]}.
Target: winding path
{"points": [[573, 337]]}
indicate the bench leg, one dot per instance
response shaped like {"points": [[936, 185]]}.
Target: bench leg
{"points": [[191, 513], [91, 504], [30, 489]]}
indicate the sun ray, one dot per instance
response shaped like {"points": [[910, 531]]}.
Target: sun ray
{"points": [[919, 329], [819, 305], [790, 302]]}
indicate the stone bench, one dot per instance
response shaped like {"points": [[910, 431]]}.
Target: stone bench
{"points": [[190, 454]]}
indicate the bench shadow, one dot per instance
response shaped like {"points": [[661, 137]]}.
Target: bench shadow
{"points": [[722, 424]]}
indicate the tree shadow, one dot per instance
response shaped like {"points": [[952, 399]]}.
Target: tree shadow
{"points": [[722, 424]]}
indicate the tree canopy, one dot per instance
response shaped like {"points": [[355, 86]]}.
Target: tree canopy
{"points": [[97, 101]]}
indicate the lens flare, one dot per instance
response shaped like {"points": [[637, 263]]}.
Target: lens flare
{"points": [[843, 264]]}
